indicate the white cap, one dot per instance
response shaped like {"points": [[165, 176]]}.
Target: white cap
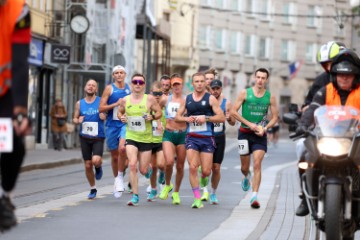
{"points": [[118, 67]]}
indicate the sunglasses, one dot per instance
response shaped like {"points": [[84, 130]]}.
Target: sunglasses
{"points": [[157, 94], [138, 82]]}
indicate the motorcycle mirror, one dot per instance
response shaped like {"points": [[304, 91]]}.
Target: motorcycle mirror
{"points": [[290, 118]]}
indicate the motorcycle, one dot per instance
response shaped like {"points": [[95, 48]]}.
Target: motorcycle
{"points": [[331, 183]]}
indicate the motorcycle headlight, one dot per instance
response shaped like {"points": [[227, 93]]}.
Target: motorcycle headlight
{"points": [[334, 146]]}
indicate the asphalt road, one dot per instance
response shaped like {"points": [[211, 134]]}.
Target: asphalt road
{"points": [[52, 204]]}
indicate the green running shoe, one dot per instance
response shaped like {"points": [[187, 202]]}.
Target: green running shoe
{"points": [[165, 192], [176, 198], [205, 197], [197, 203]]}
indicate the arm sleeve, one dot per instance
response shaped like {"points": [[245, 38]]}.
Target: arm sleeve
{"points": [[20, 53], [319, 99]]}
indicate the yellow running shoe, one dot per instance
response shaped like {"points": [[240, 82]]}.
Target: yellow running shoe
{"points": [[205, 197], [176, 198], [165, 192], [197, 204]]}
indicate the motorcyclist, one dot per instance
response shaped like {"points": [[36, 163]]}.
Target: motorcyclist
{"points": [[343, 89], [324, 56]]}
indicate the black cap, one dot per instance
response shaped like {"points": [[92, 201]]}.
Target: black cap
{"points": [[215, 83]]}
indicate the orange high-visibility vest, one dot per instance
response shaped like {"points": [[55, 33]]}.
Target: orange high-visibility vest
{"points": [[333, 97], [9, 14]]}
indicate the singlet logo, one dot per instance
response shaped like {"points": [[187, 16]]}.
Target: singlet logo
{"points": [[203, 103], [127, 91]]}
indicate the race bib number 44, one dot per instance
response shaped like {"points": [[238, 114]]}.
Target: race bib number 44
{"points": [[6, 135]]}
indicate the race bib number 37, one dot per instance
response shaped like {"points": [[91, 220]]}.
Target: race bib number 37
{"points": [[6, 135]]}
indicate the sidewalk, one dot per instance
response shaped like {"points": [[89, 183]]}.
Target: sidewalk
{"points": [[50, 158]]}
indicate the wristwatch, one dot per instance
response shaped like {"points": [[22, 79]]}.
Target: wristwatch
{"points": [[207, 118]]}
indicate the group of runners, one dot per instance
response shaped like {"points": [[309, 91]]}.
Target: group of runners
{"points": [[152, 133]]}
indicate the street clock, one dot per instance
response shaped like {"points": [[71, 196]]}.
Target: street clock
{"points": [[79, 24]]}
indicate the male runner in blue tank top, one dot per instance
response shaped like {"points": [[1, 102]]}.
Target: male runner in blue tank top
{"points": [[115, 129], [202, 110], [92, 133]]}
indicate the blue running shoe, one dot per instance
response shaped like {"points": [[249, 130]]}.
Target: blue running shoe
{"points": [[152, 195], [245, 183], [213, 199], [161, 179], [92, 194], [149, 172], [134, 200], [98, 173], [254, 203]]}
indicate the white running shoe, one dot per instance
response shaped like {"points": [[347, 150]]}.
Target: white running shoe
{"points": [[119, 185], [116, 193], [148, 189]]}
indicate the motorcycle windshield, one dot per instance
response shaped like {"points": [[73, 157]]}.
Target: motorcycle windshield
{"points": [[336, 121]]}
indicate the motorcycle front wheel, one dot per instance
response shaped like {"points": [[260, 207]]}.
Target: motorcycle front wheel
{"points": [[333, 212]]}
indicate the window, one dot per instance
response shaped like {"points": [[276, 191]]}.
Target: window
{"points": [[204, 37], [264, 9], [250, 8], [288, 50], [249, 45], [312, 19], [288, 11], [206, 2], [219, 4], [264, 48], [235, 40], [220, 39], [310, 55], [235, 5]]}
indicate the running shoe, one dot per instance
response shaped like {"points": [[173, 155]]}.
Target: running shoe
{"points": [[134, 200], [148, 189], [245, 183], [165, 192], [175, 198], [92, 194], [204, 181], [254, 202], [161, 179], [205, 197], [213, 199], [119, 184], [152, 195], [7, 215], [149, 172], [98, 173], [197, 203]]}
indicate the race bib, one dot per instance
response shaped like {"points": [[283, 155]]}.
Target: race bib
{"points": [[198, 127], [218, 127], [115, 111], [155, 130], [136, 124], [172, 109], [90, 128], [243, 147], [6, 135]]}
